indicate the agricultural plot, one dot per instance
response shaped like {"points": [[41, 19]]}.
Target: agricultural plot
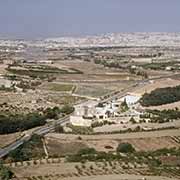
{"points": [[62, 144], [97, 90], [57, 87], [54, 169]]}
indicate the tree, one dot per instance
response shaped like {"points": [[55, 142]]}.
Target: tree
{"points": [[10, 123], [59, 129], [161, 96], [132, 120], [100, 105], [87, 151], [52, 113], [67, 109], [125, 148], [5, 173], [124, 106]]}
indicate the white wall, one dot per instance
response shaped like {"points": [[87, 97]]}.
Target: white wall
{"points": [[80, 121]]}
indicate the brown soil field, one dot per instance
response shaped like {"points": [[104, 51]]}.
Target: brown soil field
{"points": [[91, 72], [86, 67], [63, 144], [123, 177], [157, 84], [60, 147], [75, 171], [45, 169], [96, 90]]}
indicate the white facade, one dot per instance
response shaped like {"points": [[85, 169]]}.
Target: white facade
{"points": [[131, 99], [80, 121]]}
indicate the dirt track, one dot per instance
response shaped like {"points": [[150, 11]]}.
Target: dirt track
{"points": [[66, 144], [122, 177], [151, 134]]}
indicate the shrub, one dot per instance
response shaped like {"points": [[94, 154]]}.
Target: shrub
{"points": [[125, 148], [59, 129], [87, 151], [5, 173], [10, 123]]}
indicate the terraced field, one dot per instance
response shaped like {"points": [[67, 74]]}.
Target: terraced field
{"points": [[54, 170]]}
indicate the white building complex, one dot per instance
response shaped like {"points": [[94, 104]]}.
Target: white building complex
{"points": [[86, 113]]}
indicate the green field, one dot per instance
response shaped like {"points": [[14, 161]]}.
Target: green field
{"points": [[58, 87]]}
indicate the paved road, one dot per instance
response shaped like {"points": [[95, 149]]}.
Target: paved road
{"points": [[134, 86], [46, 129], [41, 131], [13, 146]]}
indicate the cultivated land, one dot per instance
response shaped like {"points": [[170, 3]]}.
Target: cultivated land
{"points": [[46, 76], [57, 87], [70, 144], [69, 172]]}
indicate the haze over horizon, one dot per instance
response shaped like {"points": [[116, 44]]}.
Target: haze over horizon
{"points": [[57, 18]]}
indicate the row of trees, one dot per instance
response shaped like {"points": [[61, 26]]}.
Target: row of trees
{"points": [[161, 96], [110, 64], [53, 113], [164, 115], [10, 123], [138, 72], [19, 122]]}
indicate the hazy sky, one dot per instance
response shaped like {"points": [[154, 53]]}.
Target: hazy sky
{"points": [[52, 18]]}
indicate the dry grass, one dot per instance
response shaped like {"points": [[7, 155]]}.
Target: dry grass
{"points": [[59, 147], [8, 139], [157, 84], [156, 140], [75, 171]]}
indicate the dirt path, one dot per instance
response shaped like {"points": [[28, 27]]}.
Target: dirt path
{"points": [[161, 133], [122, 177]]}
